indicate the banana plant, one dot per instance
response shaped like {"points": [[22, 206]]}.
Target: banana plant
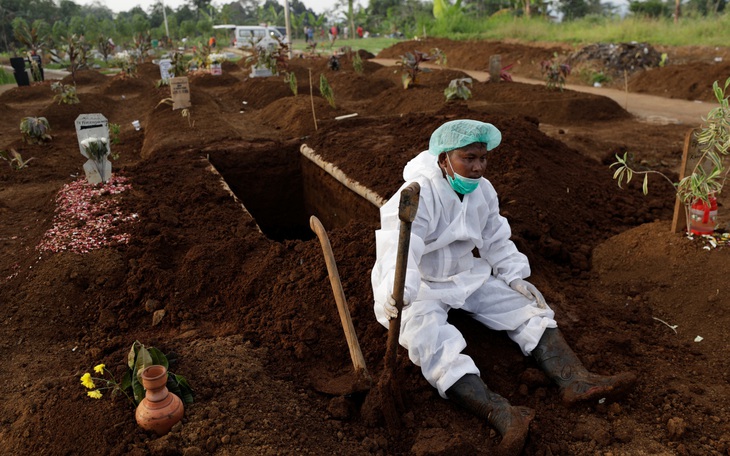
{"points": [[442, 8]]}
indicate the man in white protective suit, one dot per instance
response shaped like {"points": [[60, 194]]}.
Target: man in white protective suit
{"points": [[457, 213]]}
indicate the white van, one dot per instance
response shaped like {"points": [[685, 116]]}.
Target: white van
{"points": [[246, 36]]}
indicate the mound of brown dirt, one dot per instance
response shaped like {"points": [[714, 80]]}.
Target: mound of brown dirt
{"points": [[468, 55], [259, 92], [294, 114], [204, 79], [689, 74], [62, 116], [149, 71], [125, 85], [85, 77], [230, 67], [40, 91], [680, 81]]}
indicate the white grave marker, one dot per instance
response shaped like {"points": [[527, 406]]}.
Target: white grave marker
{"points": [[92, 131], [165, 65]]}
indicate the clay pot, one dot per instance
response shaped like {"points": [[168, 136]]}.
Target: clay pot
{"points": [[160, 409]]}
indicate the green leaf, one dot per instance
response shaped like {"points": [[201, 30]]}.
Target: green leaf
{"points": [[143, 360], [137, 389], [179, 386], [132, 356], [126, 381], [158, 357]]}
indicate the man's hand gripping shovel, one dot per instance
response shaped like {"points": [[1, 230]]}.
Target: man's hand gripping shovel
{"points": [[391, 400]]}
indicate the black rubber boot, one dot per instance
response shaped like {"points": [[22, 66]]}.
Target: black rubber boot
{"points": [[576, 384], [512, 423]]}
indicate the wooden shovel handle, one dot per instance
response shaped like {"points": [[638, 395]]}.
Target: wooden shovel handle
{"points": [[358, 361], [407, 209]]}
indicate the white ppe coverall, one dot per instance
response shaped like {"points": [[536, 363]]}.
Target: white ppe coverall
{"points": [[444, 274]]}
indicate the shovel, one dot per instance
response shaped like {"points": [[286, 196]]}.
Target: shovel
{"points": [[390, 399], [362, 380]]}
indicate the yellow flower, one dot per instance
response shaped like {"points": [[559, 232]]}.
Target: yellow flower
{"points": [[96, 394], [99, 369], [87, 381]]}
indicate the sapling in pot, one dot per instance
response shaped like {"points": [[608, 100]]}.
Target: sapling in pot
{"points": [[698, 190]]}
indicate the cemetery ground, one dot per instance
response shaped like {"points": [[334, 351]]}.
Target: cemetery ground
{"points": [[236, 286]]}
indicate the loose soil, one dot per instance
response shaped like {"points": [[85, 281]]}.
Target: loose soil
{"points": [[240, 284]]}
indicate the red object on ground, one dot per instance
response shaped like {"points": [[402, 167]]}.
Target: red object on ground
{"points": [[703, 216]]}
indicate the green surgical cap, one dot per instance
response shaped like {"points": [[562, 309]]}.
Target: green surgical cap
{"points": [[459, 133]]}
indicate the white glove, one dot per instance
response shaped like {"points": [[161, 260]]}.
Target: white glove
{"points": [[390, 310], [529, 291]]}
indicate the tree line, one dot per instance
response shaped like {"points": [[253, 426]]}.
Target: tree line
{"points": [[51, 23]]}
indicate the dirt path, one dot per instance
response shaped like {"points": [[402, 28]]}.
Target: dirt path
{"points": [[658, 110]]}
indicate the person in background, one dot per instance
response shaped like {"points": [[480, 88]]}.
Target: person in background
{"points": [[211, 42], [359, 31], [458, 214]]}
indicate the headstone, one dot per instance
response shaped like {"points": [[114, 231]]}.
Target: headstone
{"points": [[165, 65], [180, 92], [21, 76], [260, 72], [94, 128]]}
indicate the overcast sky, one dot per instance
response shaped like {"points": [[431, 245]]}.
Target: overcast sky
{"points": [[318, 6]]}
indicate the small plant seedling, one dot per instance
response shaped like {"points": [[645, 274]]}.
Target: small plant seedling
{"points": [[357, 63], [326, 90], [291, 79], [555, 72], [411, 64], [14, 159], [139, 358], [458, 89], [439, 56], [188, 115], [179, 67], [65, 93], [275, 60], [35, 130], [114, 138], [504, 73]]}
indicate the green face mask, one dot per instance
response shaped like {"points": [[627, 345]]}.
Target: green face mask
{"points": [[459, 183]]}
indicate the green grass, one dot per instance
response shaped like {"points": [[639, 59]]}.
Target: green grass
{"points": [[372, 45], [6, 77], [712, 31], [709, 31]]}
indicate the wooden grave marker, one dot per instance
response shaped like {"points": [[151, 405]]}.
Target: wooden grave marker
{"points": [[180, 92], [690, 156]]}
